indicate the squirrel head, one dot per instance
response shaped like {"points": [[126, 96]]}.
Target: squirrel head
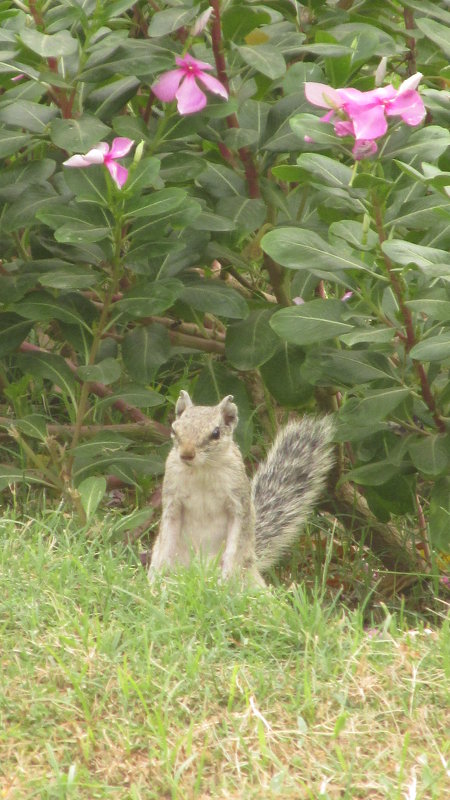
{"points": [[202, 433]]}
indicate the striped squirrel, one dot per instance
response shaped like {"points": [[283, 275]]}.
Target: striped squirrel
{"points": [[211, 509]]}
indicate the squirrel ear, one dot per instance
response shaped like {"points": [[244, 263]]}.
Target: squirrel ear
{"points": [[183, 402], [229, 411]]}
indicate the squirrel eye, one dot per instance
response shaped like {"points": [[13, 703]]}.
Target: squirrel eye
{"points": [[216, 433]]}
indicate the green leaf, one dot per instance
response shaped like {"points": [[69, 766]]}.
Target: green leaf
{"points": [[265, 59], [428, 143], [429, 259], [311, 322], [375, 335], [436, 32], [58, 44], [143, 175], [123, 464], [111, 98], [436, 309], [104, 443], [221, 181], [155, 204], [346, 368], [252, 342], [238, 21], [326, 170], [92, 491], [374, 406], [12, 141], [13, 331], [77, 225], [434, 348], [246, 214], [10, 475], [214, 297], [51, 367], [298, 248], [439, 515], [24, 210], [181, 167], [78, 135], [134, 396], [150, 298], [374, 474], [106, 371], [283, 378], [88, 185], [69, 278], [207, 221], [169, 20], [144, 350], [18, 179], [354, 233], [430, 454], [43, 307], [34, 425], [311, 126], [33, 117]]}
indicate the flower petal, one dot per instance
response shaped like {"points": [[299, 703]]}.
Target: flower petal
{"points": [[213, 85], [166, 86], [410, 83], [319, 94], [409, 106], [189, 61], [344, 127], [369, 123], [190, 97], [118, 173], [77, 161], [120, 147]]}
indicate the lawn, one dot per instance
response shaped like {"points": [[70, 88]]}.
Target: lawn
{"points": [[192, 689]]}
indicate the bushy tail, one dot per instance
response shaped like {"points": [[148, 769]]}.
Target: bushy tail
{"points": [[288, 484]]}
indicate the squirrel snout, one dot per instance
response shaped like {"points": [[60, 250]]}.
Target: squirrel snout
{"points": [[187, 452]]}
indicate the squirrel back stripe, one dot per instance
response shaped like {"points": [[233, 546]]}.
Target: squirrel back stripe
{"points": [[288, 484]]}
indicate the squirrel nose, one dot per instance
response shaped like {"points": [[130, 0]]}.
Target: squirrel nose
{"points": [[187, 454]]}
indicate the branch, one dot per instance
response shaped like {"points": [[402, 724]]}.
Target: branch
{"points": [[100, 390], [408, 16], [245, 155], [411, 340], [148, 431]]}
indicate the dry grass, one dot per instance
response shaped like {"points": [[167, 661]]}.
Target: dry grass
{"points": [[113, 690]]}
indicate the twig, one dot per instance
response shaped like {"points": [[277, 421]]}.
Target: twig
{"points": [[408, 322]]}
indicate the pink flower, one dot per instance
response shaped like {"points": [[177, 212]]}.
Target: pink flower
{"points": [[103, 154], [363, 114], [181, 84]]}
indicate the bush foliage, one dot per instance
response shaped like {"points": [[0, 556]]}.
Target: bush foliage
{"points": [[247, 252]]}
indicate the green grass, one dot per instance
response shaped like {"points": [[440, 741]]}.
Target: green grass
{"points": [[191, 689]]}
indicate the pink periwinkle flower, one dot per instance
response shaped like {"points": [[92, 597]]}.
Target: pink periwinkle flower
{"points": [[181, 84], [363, 114], [102, 153]]}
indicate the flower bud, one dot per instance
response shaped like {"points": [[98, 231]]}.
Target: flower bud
{"points": [[138, 152], [380, 72]]}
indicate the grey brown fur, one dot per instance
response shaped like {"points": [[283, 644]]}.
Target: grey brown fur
{"points": [[210, 509]]}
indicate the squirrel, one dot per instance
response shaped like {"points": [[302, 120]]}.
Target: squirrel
{"points": [[212, 510]]}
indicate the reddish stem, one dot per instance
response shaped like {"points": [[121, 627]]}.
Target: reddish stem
{"points": [[408, 17], [408, 323], [245, 155]]}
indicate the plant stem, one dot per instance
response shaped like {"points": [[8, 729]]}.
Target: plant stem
{"points": [[98, 333], [427, 394]]}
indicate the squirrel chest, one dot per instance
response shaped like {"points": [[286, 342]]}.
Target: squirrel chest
{"points": [[208, 499]]}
